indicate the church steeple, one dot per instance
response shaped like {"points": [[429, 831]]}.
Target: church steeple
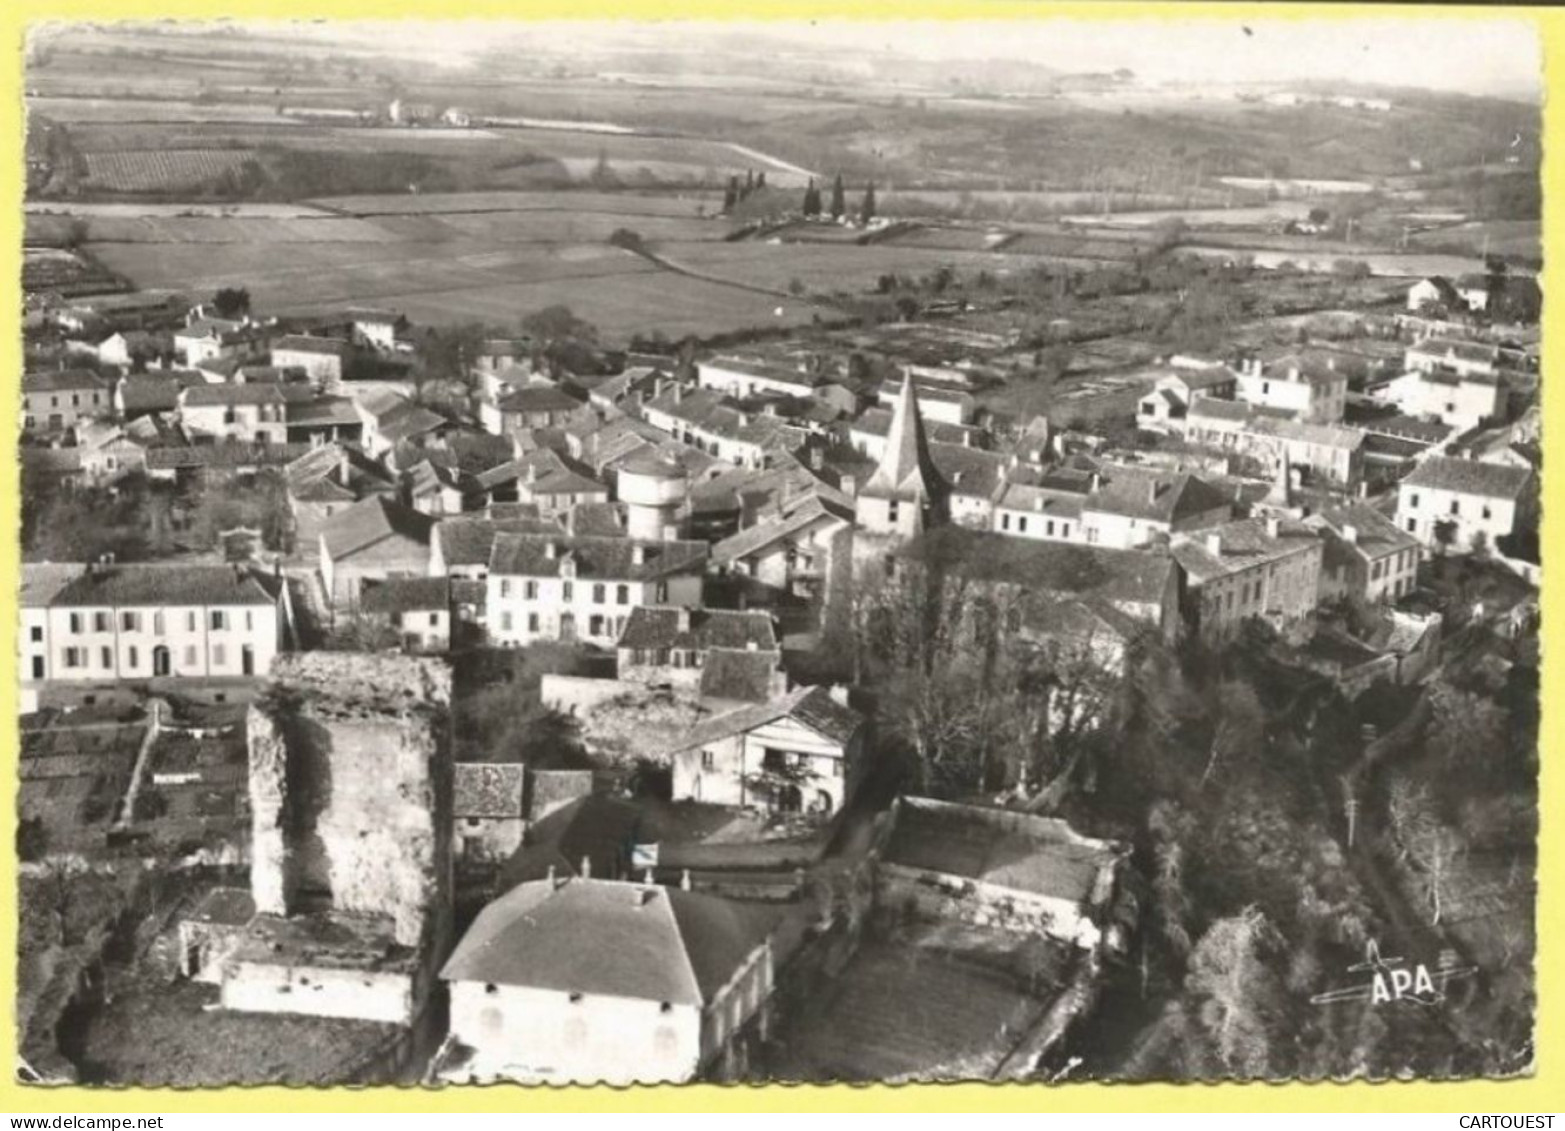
{"points": [[907, 491]]}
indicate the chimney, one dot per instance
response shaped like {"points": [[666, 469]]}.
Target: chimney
{"points": [[1214, 544], [552, 881], [586, 867], [1350, 534], [1293, 372], [684, 880], [644, 894], [682, 614], [1095, 483], [551, 550], [1273, 527], [679, 394], [1152, 491], [638, 554], [839, 693]]}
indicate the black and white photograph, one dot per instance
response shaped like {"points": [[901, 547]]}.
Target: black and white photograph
{"points": [[759, 552]]}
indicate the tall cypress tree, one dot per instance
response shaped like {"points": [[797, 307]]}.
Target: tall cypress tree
{"points": [[867, 213], [731, 194], [839, 202], [812, 199]]}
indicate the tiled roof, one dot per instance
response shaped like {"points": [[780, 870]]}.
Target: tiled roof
{"points": [[470, 541], [370, 521], [301, 343], [594, 558], [657, 627], [600, 937], [538, 398], [405, 595], [225, 455], [1243, 544], [1152, 495], [1464, 351], [42, 581], [1376, 535], [488, 789], [324, 411], [812, 707], [1469, 477], [968, 471], [177, 585], [407, 419], [755, 538], [567, 482], [1046, 501], [155, 392], [603, 519], [62, 381], [205, 395]]}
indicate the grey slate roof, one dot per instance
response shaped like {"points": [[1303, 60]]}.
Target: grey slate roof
{"points": [[1469, 477]]}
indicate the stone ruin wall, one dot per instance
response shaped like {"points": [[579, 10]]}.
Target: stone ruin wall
{"points": [[350, 788]]}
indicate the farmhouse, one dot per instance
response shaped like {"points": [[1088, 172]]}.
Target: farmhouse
{"points": [[802, 751], [531, 406], [1465, 359], [424, 612], [599, 981]]}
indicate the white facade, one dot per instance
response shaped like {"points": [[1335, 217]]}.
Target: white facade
{"points": [[86, 643], [522, 610], [1424, 511]]}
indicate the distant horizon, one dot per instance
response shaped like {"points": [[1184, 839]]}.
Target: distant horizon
{"points": [[1499, 57]]}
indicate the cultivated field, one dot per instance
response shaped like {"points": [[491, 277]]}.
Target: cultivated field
{"points": [[435, 203], [160, 169]]}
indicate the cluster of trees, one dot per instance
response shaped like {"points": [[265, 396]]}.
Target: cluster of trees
{"points": [[737, 191], [964, 699]]}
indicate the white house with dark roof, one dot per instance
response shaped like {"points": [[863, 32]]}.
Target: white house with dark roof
{"points": [[598, 981], [584, 587], [1170, 396], [1460, 399], [1452, 502], [1128, 507], [799, 752], [254, 414], [1464, 358], [112, 622]]}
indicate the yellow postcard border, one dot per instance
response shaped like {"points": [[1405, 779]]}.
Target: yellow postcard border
{"points": [[1544, 1090]]}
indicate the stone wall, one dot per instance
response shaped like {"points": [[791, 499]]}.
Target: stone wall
{"points": [[350, 789]]}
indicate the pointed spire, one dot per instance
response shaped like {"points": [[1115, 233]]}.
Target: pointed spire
{"points": [[907, 469]]}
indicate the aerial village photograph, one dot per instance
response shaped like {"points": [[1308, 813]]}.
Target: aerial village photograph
{"points": [[779, 552]]}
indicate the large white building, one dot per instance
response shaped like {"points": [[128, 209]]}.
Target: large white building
{"points": [[112, 622], [597, 981], [1455, 501], [583, 587]]}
